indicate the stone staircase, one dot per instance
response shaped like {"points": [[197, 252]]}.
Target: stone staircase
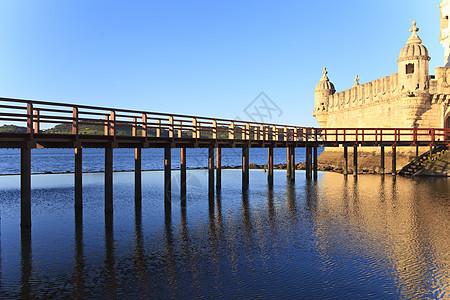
{"points": [[420, 163]]}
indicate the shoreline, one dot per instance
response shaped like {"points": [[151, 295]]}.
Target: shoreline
{"points": [[299, 167]]}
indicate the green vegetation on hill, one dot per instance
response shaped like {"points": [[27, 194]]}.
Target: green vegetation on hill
{"points": [[13, 129], [120, 130]]}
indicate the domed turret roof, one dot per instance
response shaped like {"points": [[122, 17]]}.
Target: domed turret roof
{"points": [[324, 83], [414, 48]]}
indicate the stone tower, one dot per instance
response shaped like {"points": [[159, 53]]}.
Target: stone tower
{"points": [[445, 40], [324, 89], [413, 66]]}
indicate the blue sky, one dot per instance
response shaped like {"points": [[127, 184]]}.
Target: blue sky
{"points": [[199, 57]]}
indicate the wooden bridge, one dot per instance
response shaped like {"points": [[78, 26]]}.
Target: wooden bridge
{"points": [[99, 127]]}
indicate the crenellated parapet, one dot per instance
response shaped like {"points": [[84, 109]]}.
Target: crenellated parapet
{"points": [[360, 95]]}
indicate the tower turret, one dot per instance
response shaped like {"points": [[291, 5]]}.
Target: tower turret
{"points": [[413, 66], [324, 89], [445, 40]]}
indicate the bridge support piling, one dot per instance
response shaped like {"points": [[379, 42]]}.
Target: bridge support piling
{"points": [[138, 177], [211, 170], [345, 160], [167, 177], [394, 160], [288, 163], [308, 162], [292, 160], [218, 168], [245, 167], [183, 175], [315, 162], [355, 160], [25, 187], [382, 167], [109, 179], [78, 178], [270, 166], [417, 151]]}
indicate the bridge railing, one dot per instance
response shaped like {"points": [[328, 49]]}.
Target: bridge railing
{"points": [[62, 118]]}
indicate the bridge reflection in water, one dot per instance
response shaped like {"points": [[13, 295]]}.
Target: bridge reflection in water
{"points": [[339, 236]]}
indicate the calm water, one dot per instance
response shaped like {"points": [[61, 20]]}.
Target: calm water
{"points": [[62, 160], [377, 237]]}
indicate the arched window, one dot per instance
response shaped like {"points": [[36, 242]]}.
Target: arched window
{"points": [[410, 69]]}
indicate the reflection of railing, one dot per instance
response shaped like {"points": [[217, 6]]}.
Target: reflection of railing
{"points": [[113, 122]]}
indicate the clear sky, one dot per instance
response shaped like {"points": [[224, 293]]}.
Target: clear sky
{"points": [[203, 57]]}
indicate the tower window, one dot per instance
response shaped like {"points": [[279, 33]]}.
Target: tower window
{"points": [[410, 69]]}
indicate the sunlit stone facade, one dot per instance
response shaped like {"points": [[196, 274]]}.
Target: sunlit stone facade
{"points": [[410, 98]]}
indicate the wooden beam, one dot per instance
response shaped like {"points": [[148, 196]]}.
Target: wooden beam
{"points": [[292, 164], [218, 168], [345, 160], [167, 177], [288, 163], [308, 162], [394, 160], [245, 167], [25, 187], [138, 177], [78, 178], [211, 170], [382, 167], [183, 174], [109, 179], [316, 164], [355, 160], [270, 165]]}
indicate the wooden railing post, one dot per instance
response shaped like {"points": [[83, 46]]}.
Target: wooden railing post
{"points": [[415, 135], [195, 133], [144, 125], [134, 127], [158, 128], [274, 133], [180, 129], [171, 127], [75, 127], [106, 129], [30, 119], [214, 129], [247, 131], [231, 131], [113, 123], [285, 135], [36, 121], [261, 132]]}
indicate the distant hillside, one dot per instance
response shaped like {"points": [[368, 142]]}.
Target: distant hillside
{"points": [[99, 130], [13, 129]]}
